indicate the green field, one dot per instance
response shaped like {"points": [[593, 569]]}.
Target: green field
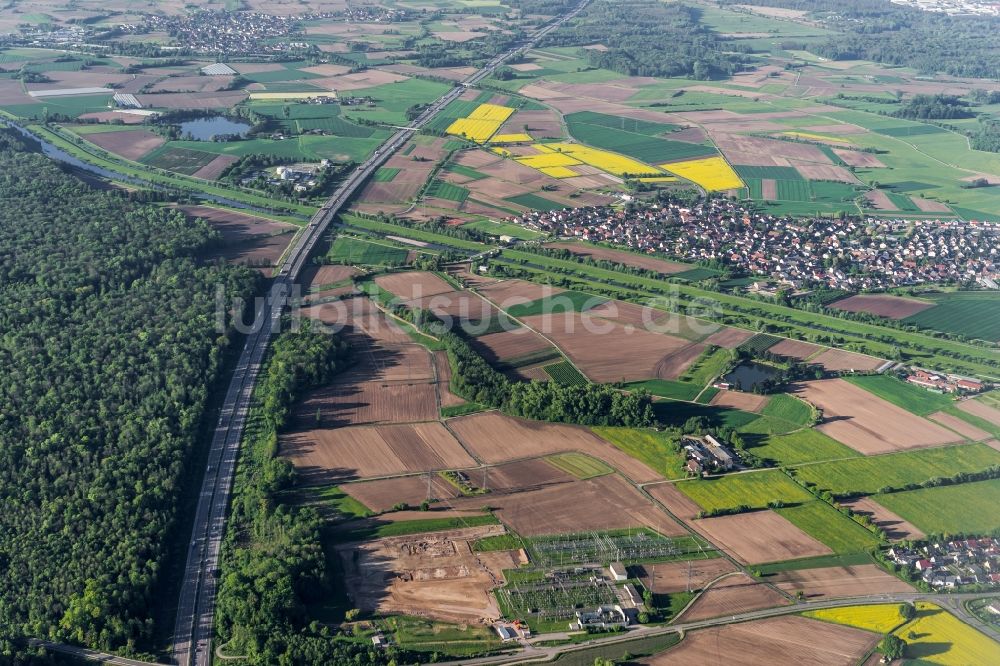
{"points": [[798, 447], [827, 525], [463, 170], [566, 373], [968, 508], [973, 314], [535, 202], [640, 145], [788, 408], [753, 489], [566, 301], [449, 191], [867, 475], [66, 105], [380, 530], [666, 388], [502, 229], [307, 147], [769, 172], [334, 497], [622, 123], [385, 174], [658, 450], [347, 250], [181, 160], [673, 413], [707, 367], [911, 398], [759, 343], [579, 465], [423, 635]]}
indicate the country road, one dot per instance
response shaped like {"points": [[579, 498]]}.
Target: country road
{"points": [[194, 621], [531, 654]]}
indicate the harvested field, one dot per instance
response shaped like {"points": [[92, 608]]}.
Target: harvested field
{"points": [[977, 408], [736, 594], [882, 305], [769, 189], [366, 79], [581, 506], [760, 536], [130, 144], [509, 345], [868, 424], [741, 149], [432, 575], [640, 354], [963, 428], [647, 262], [858, 159], [216, 100], [323, 275], [247, 239], [496, 438], [674, 500], [795, 349], [343, 454], [729, 338], [383, 494], [748, 402], [930, 206], [408, 286], [516, 292], [622, 312], [781, 640], [214, 169], [443, 369], [826, 172], [834, 582], [525, 475], [359, 402], [836, 360], [667, 577], [110, 116], [191, 84], [894, 526], [880, 200]]}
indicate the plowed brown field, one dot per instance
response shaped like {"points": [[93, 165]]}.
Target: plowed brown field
{"points": [[882, 305], [760, 536], [770, 642], [497, 438], [832, 582], [867, 423], [736, 594]]}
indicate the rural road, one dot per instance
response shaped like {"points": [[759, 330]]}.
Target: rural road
{"points": [[532, 654], [196, 603]]}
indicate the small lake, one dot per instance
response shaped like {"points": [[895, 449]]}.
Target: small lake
{"points": [[203, 129], [747, 374]]}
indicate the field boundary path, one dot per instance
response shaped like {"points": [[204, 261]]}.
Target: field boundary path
{"points": [[194, 622]]}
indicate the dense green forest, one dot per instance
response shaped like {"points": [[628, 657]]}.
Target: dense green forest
{"points": [[933, 107], [108, 346], [884, 32], [649, 38]]}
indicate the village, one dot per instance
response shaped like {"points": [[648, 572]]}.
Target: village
{"points": [[954, 563], [850, 254]]}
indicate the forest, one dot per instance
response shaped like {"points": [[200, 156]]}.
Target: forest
{"points": [[884, 32], [649, 38], [108, 349]]}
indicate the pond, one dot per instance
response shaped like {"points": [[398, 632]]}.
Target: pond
{"points": [[745, 375], [203, 129]]}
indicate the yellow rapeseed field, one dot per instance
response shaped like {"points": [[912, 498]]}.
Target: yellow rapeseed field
{"points": [[546, 160], [934, 629], [492, 112], [511, 138], [711, 173], [476, 129], [880, 618], [558, 172], [604, 160], [502, 152], [817, 137]]}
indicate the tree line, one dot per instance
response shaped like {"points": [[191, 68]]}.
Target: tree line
{"points": [[108, 348]]}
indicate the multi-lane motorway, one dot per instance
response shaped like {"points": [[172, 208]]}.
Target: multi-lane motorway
{"points": [[196, 604]]}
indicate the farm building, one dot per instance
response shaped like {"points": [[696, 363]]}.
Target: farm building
{"points": [[618, 571]]}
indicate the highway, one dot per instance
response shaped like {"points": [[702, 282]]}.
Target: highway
{"points": [[194, 621]]}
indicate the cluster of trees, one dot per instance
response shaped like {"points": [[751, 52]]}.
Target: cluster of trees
{"points": [[475, 380], [109, 347], [649, 38], [986, 136], [273, 562], [889, 33], [933, 107]]}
